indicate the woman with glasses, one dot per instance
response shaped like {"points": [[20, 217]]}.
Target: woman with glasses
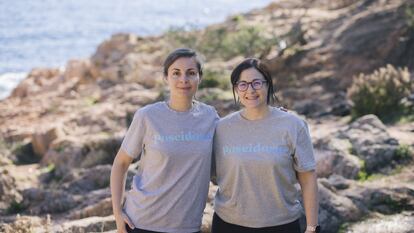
{"points": [[173, 141], [260, 153]]}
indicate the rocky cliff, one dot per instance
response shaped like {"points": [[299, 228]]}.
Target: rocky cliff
{"points": [[60, 129]]}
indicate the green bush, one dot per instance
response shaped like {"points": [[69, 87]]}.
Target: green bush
{"points": [[224, 43], [403, 152], [15, 207], [409, 16], [213, 78], [381, 92]]}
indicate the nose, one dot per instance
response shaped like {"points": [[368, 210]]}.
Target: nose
{"points": [[250, 88], [183, 78]]}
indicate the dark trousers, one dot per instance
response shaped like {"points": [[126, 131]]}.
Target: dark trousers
{"points": [[220, 226], [137, 230]]}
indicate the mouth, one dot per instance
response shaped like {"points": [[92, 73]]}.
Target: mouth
{"points": [[184, 88], [251, 97]]}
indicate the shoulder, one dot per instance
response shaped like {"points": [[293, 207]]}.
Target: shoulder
{"points": [[148, 109], [289, 118], [229, 119]]}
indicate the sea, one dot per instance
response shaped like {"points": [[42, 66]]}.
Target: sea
{"points": [[48, 33]]}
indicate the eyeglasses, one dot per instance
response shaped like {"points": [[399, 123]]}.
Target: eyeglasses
{"points": [[256, 84]]}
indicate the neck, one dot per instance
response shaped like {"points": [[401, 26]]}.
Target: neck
{"points": [[256, 113], [180, 104]]}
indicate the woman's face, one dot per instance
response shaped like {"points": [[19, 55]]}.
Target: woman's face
{"points": [[183, 77], [255, 96]]}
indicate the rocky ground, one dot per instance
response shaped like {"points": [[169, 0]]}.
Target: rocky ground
{"points": [[60, 129]]}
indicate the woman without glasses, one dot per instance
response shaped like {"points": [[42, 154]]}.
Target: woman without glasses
{"points": [[173, 141], [260, 153]]}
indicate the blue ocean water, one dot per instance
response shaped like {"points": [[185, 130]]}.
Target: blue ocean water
{"points": [[47, 33]]}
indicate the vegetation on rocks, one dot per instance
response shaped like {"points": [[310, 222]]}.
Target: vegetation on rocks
{"points": [[225, 43], [381, 92]]}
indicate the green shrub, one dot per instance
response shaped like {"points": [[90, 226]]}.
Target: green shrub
{"points": [[180, 37], [409, 16], [381, 92], [213, 78], [224, 43], [403, 152], [362, 174], [15, 207]]}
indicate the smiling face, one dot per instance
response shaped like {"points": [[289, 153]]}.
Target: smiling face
{"points": [[252, 98], [183, 77]]}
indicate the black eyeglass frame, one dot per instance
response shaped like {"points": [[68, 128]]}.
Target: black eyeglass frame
{"points": [[251, 84]]}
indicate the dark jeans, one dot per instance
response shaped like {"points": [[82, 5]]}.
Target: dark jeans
{"points": [[137, 230], [220, 226]]}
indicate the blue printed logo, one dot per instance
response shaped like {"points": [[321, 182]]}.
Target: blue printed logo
{"points": [[256, 148], [182, 137]]}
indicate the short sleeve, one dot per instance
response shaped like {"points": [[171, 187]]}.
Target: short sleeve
{"points": [[304, 159], [134, 137]]}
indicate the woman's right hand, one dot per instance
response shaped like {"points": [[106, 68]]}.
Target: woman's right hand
{"points": [[121, 220]]}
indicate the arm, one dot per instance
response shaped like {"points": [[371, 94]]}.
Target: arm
{"points": [[309, 186], [118, 178]]}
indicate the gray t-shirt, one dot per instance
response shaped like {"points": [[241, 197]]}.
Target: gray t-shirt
{"points": [[255, 169], [170, 189]]}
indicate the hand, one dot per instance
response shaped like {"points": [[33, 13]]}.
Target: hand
{"points": [[121, 220]]}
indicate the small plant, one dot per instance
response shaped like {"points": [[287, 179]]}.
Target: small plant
{"points": [[362, 174], [15, 207], [381, 92], [403, 152], [409, 16]]}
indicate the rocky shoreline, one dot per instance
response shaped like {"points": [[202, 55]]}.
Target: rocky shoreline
{"points": [[60, 129]]}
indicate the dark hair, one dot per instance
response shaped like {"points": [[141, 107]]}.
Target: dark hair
{"points": [[259, 66], [179, 53]]}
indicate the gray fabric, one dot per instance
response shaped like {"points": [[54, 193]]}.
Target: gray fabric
{"points": [[256, 164], [170, 189]]}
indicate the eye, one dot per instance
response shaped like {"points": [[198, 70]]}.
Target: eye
{"points": [[242, 85], [192, 73], [257, 83], [175, 73]]}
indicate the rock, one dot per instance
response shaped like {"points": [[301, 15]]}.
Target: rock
{"points": [[43, 137], [39, 201], [82, 69], [397, 223], [23, 224], [83, 152], [89, 179], [136, 68], [9, 195], [102, 208], [112, 51], [307, 107], [333, 157], [371, 142], [91, 224], [335, 210], [339, 182], [35, 80]]}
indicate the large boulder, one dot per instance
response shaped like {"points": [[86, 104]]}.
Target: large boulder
{"points": [[39, 201], [371, 142], [43, 137], [336, 209], [35, 81], [82, 69], [333, 157]]}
